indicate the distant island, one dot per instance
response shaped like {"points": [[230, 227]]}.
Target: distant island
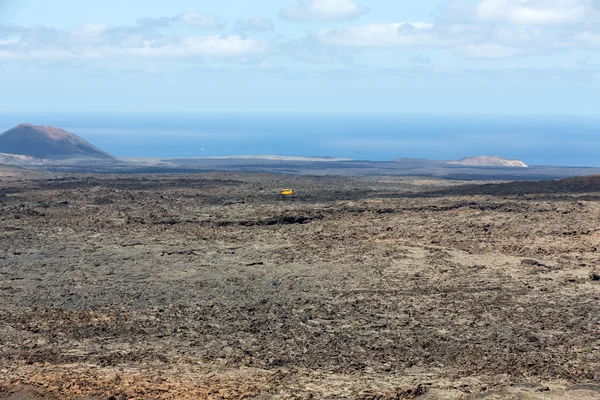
{"points": [[479, 161], [490, 161]]}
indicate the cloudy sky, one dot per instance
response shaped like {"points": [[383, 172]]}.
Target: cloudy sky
{"points": [[426, 56]]}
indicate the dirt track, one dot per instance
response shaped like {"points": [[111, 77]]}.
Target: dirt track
{"points": [[211, 286]]}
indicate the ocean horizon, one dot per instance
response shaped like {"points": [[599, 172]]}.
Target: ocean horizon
{"points": [[568, 140]]}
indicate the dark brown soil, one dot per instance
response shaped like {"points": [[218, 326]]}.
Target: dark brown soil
{"points": [[213, 286]]}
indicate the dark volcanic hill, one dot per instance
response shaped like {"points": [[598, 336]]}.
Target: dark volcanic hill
{"points": [[48, 142], [576, 185]]}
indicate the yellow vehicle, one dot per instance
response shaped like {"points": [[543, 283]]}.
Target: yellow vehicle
{"points": [[288, 192]]}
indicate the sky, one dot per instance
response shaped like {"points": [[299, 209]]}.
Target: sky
{"points": [[342, 56]]}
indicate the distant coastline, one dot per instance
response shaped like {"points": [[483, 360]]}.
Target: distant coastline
{"points": [[536, 140], [266, 157]]}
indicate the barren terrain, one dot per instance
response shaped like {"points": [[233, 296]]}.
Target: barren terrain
{"points": [[212, 286]]}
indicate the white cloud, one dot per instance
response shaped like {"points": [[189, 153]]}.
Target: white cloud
{"points": [[194, 19], [483, 29], [254, 24], [89, 33], [587, 39], [400, 34], [467, 40], [487, 29], [98, 41], [200, 20], [538, 12], [220, 46], [323, 10], [91, 29], [199, 47]]}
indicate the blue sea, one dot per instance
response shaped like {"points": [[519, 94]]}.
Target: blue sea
{"points": [[537, 140]]}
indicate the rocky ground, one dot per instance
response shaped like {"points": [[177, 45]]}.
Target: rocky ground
{"points": [[14, 172], [212, 286]]}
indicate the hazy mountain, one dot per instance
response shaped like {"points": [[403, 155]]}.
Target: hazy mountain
{"points": [[49, 143], [489, 161]]}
